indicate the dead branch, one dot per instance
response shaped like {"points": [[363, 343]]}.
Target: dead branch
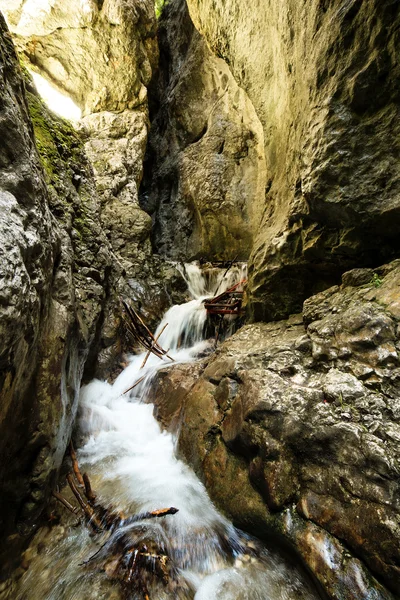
{"points": [[132, 565], [135, 384], [64, 501], [75, 465], [150, 350], [86, 508], [90, 495], [140, 333]]}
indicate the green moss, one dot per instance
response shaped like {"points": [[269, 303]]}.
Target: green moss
{"points": [[57, 142], [159, 5], [62, 155]]}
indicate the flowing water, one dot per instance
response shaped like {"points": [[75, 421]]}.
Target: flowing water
{"points": [[132, 465]]}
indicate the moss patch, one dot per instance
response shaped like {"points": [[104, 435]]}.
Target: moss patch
{"points": [[58, 144]]}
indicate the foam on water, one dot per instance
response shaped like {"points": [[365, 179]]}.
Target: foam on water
{"points": [[133, 466]]}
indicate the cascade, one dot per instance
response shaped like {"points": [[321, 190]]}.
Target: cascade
{"points": [[133, 466]]}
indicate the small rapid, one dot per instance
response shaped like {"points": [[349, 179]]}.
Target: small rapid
{"points": [[133, 465]]}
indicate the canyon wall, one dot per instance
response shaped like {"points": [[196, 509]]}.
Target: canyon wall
{"points": [[323, 77], [103, 55], [54, 269], [74, 238], [205, 166]]}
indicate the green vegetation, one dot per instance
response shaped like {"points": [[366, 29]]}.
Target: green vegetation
{"points": [[159, 5], [57, 142], [62, 155], [376, 281]]}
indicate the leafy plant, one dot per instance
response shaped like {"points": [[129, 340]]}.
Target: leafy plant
{"points": [[376, 281], [159, 5]]}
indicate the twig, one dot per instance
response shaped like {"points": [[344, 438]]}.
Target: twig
{"points": [[88, 510], [150, 350], [75, 465], [141, 333], [228, 268], [73, 509], [155, 514], [132, 565], [134, 385]]}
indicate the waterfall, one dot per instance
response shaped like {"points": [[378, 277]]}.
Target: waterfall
{"points": [[133, 466]]}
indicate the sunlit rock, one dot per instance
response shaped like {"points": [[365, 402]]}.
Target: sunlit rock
{"points": [[324, 81], [61, 39]]}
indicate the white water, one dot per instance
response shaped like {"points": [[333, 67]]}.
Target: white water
{"points": [[132, 465]]}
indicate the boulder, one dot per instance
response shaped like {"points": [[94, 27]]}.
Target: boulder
{"points": [[304, 416]]}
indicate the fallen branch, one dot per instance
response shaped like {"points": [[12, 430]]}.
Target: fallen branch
{"points": [[86, 508], [64, 501], [150, 350], [135, 384], [132, 565], [75, 465], [140, 333]]}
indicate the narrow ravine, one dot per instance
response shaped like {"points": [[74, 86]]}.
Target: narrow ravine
{"points": [[133, 466]]}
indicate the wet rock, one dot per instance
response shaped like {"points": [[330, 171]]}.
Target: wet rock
{"points": [[309, 413], [340, 574], [53, 271]]}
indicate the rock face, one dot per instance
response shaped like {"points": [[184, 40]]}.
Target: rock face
{"points": [[205, 167], [73, 238], [294, 426], [118, 40], [324, 80], [115, 37], [54, 271]]}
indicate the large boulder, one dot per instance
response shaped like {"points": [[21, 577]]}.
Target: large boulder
{"points": [[294, 426], [324, 80]]}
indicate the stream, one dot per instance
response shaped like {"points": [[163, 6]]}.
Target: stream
{"points": [[132, 465]]}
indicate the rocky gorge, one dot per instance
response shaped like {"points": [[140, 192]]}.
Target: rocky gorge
{"points": [[217, 131]]}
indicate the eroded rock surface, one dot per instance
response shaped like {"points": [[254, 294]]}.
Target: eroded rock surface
{"points": [[54, 270], [102, 54], [295, 426], [324, 80], [205, 168], [99, 53]]}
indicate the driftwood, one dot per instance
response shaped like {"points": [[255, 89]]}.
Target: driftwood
{"points": [[227, 303], [133, 565], [140, 333]]}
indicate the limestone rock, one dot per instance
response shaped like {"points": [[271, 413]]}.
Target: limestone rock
{"points": [[53, 268], [116, 38], [115, 144], [309, 414], [205, 167], [324, 81]]}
